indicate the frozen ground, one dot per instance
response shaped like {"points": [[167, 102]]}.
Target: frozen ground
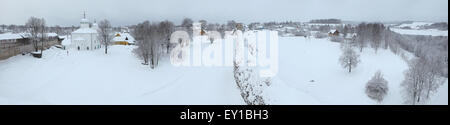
{"points": [[91, 77]]}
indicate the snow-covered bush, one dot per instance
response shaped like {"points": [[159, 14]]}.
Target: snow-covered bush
{"points": [[377, 87], [250, 84], [247, 78]]}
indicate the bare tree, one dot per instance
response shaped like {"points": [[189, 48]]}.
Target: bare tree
{"points": [[387, 38], [231, 25], [140, 33], [349, 58], [212, 27], [345, 30], [57, 29], [166, 28], [421, 79], [156, 39], [187, 24], [149, 39], [203, 23], [36, 28], [414, 82], [433, 80], [377, 31], [105, 33], [3, 28], [373, 34], [362, 36], [377, 87]]}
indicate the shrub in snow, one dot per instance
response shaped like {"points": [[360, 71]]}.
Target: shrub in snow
{"points": [[250, 85], [247, 78], [377, 87]]}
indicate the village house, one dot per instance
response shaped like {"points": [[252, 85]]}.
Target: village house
{"points": [[333, 33], [123, 38]]}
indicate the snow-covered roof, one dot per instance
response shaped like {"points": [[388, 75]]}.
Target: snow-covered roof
{"points": [[52, 35], [290, 28], [333, 30], [85, 30], [123, 37], [7, 36]]}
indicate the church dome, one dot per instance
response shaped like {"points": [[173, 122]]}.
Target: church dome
{"points": [[95, 26], [84, 23]]}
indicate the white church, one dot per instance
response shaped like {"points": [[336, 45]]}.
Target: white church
{"points": [[86, 37]]}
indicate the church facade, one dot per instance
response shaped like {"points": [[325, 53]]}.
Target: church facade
{"points": [[86, 37]]}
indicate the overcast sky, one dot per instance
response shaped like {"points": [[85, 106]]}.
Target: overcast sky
{"points": [[125, 12]]}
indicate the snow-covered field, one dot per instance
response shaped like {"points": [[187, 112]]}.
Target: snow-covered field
{"points": [[91, 77], [415, 25], [417, 30], [432, 32]]}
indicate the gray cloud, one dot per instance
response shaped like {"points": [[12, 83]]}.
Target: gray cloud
{"points": [[125, 12]]}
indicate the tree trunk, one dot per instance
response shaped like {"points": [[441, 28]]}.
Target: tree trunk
{"points": [[350, 69], [418, 99], [168, 49], [152, 57], [42, 45], [35, 45], [106, 49]]}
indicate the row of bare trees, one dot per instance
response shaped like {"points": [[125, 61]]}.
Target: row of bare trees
{"points": [[422, 79], [152, 39], [373, 34]]}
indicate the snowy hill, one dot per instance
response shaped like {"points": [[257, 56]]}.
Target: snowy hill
{"points": [[432, 32], [414, 25], [91, 77], [419, 28]]}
